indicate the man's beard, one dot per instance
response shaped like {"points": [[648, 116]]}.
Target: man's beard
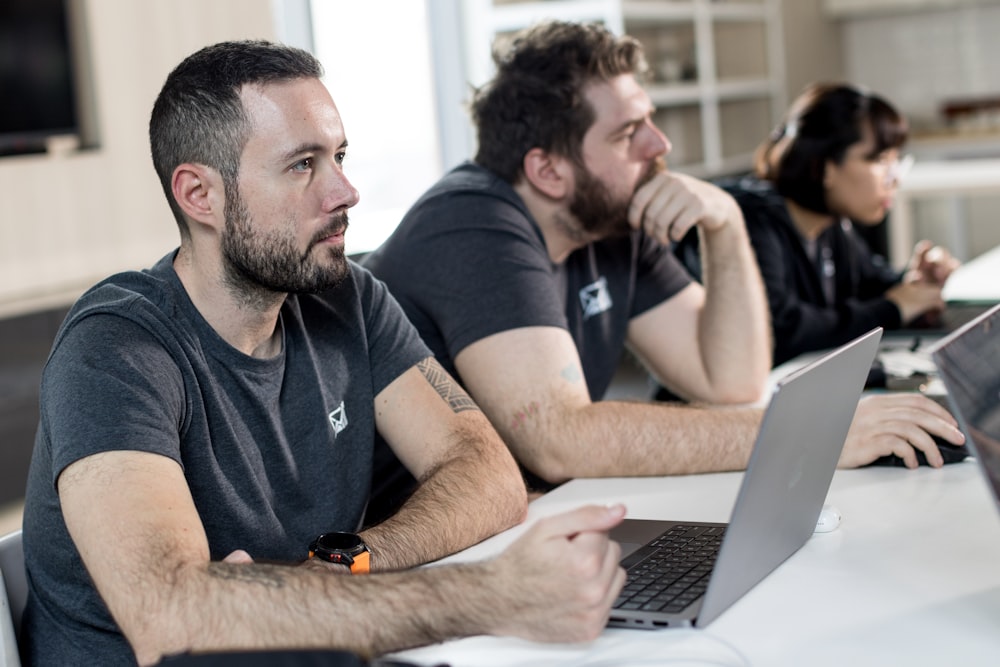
{"points": [[257, 265], [599, 213]]}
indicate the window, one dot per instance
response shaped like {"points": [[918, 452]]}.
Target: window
{"points": [[378, 63]]}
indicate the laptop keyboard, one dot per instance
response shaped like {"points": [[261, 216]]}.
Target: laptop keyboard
{"points": [[677, 571]]}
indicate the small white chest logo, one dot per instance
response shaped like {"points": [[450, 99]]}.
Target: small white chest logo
{"points": [[338, 419], [595, 298]]}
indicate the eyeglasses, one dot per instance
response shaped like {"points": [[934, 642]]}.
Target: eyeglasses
{"points": [[895, 169]]}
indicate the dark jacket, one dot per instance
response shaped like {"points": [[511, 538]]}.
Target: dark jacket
{"points": [[801, 317]]}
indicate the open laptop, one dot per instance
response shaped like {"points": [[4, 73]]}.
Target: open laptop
{"points": [[970, 291], [955, 315], [786, 481], [968, 364]]}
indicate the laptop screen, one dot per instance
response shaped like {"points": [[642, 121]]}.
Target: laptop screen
{"points": [[969, 364]]}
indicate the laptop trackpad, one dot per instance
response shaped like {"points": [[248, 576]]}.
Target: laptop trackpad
{"points": [[632, 534]]}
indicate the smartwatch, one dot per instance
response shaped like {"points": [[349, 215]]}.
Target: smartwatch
{"points": [[344, 548]]}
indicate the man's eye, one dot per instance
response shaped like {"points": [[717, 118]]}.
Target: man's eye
{"points": [[340, 157], [303, 165]]}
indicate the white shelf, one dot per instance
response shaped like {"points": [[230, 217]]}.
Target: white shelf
{"points": [[747, 88], [723, 53], [678, 94], [643, 11], [650, 11], [683, 94], [516, 15], [738, 11], [861, 8]]}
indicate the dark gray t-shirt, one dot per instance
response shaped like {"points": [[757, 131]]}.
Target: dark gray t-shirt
{"points": [[469, 261], [275, 451]]}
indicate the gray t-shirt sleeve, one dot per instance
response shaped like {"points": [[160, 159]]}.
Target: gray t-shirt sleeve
{"points": [[394, 345], [111, 385]]}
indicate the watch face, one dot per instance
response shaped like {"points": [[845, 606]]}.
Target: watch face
{"points": [[348, 542]]}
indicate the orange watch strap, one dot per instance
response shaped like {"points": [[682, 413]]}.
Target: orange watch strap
{"points": [[362, 563]]}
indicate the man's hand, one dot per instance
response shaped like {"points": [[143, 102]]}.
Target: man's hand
{"points": [[670, 204], [896, 424], [557, 582]]}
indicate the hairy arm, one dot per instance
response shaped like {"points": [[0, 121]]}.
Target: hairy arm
{"points": [[470, 487], [132, 518], [708, 343], [530, 383]]}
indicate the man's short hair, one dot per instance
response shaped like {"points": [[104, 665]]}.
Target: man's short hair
{"points": [[821, 124], [535, 100], [198, 116]]}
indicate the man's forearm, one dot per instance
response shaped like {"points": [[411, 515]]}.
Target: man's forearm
{"points": [[461, 502], [259, 606], [735, 330], [622, 439]]}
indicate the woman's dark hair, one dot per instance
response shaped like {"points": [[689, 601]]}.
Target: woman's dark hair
{"points": [[818, 128], [536, 100]]}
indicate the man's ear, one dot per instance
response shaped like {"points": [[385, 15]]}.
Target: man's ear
{"points": [[199, 192], [548, 173]]}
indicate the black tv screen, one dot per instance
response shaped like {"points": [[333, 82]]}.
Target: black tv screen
{"points": [[37, 95]]}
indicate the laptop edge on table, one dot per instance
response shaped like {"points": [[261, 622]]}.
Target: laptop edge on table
{"points": [[800, 440]]}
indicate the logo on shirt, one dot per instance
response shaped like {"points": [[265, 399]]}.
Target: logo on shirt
{"points": [[338, 419], [595, 298]]}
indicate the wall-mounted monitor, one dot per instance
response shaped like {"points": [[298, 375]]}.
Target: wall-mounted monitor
{"points": [[38, 97]]}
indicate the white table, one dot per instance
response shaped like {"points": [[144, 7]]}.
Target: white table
{"points": [[911, 577]]}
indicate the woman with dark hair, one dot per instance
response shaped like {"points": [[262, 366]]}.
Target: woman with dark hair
{"points": [[835, 159]]}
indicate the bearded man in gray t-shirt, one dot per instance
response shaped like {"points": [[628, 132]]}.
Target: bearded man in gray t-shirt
{"points": [[205, 446]]}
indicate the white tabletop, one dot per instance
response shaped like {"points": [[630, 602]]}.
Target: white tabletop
{"points": [[911, 577]]}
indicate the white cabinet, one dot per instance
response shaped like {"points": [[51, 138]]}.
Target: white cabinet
{"points": [[856, 8], [717, 66]]}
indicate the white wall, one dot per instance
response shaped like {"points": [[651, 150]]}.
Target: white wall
{"points": [[813, 48], [377, 58], [68, 220], [919, 59]]}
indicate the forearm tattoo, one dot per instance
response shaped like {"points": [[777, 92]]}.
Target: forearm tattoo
{"points": [[445, 386]]}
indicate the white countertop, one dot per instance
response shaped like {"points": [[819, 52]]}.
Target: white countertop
{"points": [[911, 577]]}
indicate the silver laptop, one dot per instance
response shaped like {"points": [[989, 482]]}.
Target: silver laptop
{"points": [[688, 573], [968, 363]]}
